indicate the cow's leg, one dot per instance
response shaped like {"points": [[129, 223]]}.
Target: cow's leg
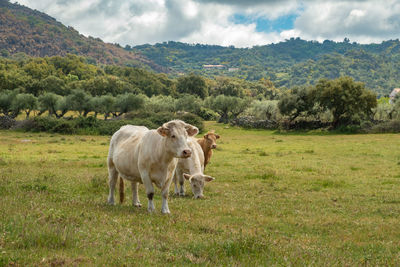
{"points": [[164, 194], [176, 182], [182, 185], [149, 189], [112, 180], [178, 177], [135, 195]]}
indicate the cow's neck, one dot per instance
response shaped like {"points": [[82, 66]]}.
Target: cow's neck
{"points": [[166, 156], [203, 147]]}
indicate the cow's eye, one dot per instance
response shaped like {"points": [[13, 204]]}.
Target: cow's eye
{"points": [[172, 136]]}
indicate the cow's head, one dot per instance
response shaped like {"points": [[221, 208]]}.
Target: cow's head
{"points": [[197, 182], [176, 133], [211, 139]]}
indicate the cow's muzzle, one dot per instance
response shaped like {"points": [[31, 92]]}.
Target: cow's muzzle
{"points": [[186, 153], [214, 146]]}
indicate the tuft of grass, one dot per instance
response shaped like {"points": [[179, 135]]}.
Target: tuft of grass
{"points": [[263, 154], [3, 162]]}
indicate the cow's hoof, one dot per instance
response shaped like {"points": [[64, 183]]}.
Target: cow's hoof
{"points": [[110, 202], [137, 205], [165, 212], [182, 194], [176, 193]]}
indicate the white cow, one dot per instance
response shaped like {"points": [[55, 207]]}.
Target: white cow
{"points": [[192, 169], [148, 156]]}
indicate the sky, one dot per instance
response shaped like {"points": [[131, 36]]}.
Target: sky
{"points": [[241, 23]]}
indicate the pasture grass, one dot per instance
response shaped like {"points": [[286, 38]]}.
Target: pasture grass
{"points": [[278, 199]]}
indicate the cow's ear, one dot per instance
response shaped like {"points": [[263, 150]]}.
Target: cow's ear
{"points": [[191, 130], [217, 136], [206, 136], [163, 131], [208, 178], [186, 176]]}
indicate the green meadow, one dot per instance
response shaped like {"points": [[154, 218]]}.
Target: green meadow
{"points": [[278, 199]]}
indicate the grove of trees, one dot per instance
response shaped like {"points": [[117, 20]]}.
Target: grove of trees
{"points": [[57, 85]]}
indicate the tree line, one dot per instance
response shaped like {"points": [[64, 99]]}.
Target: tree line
{"points": [[57, 85]]}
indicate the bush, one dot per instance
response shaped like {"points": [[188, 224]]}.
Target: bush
{"points": [[304, 124], [208, 114], [86, 122], [392, 126], [192, 119], [64, 127], [157, 119], [111, 126], [6, 122], [252, 122], [349, 128], [44, 124], [92, 125]]}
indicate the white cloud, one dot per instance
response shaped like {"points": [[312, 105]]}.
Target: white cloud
{"points": [[136, 22], [361, 21]]}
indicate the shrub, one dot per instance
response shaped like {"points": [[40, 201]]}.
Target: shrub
{"points": [[6, 122], [44, 124], [192, 119], [252, 122], [93, 126], [111, 126], [207, 114], [86, 122], [392, 126], [157, 119], [64, 127]]}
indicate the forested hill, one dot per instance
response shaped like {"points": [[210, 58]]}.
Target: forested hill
{"points": [[37, 34], [289, 63]]}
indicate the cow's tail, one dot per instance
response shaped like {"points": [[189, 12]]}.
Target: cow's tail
{"points": [[121, 190]]}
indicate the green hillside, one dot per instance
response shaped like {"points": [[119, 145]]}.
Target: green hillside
{"points": [[289, 63], [37, 34]]}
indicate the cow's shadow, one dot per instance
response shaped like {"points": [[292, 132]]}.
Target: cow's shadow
{"points": [[120, 209]]}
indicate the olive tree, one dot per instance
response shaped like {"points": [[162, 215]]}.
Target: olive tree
{"points": [[346, 99], [24, 102], [297, 101], [192, 84], [189, 103], [80, 102], [264, 109], [160, 103], [126, 103], [227, 107], [107, 105], [6, 99], [48, 102]]}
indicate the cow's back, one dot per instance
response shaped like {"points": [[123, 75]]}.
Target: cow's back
{"points": [[124, 146]]}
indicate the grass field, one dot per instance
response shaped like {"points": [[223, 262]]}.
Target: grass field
{"points": [[277, 200]]}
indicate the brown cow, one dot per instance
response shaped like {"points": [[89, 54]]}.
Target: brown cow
{"points": [[207, 143]]}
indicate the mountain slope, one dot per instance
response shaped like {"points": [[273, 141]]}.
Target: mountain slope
{"points": [[37, 34], [290, 63]]}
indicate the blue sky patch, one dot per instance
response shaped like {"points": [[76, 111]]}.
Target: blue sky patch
{"points": [[265, 25]]}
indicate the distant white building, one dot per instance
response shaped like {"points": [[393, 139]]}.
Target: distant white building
{"points": [[233, 69], [393, 95], [213, 66]]}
